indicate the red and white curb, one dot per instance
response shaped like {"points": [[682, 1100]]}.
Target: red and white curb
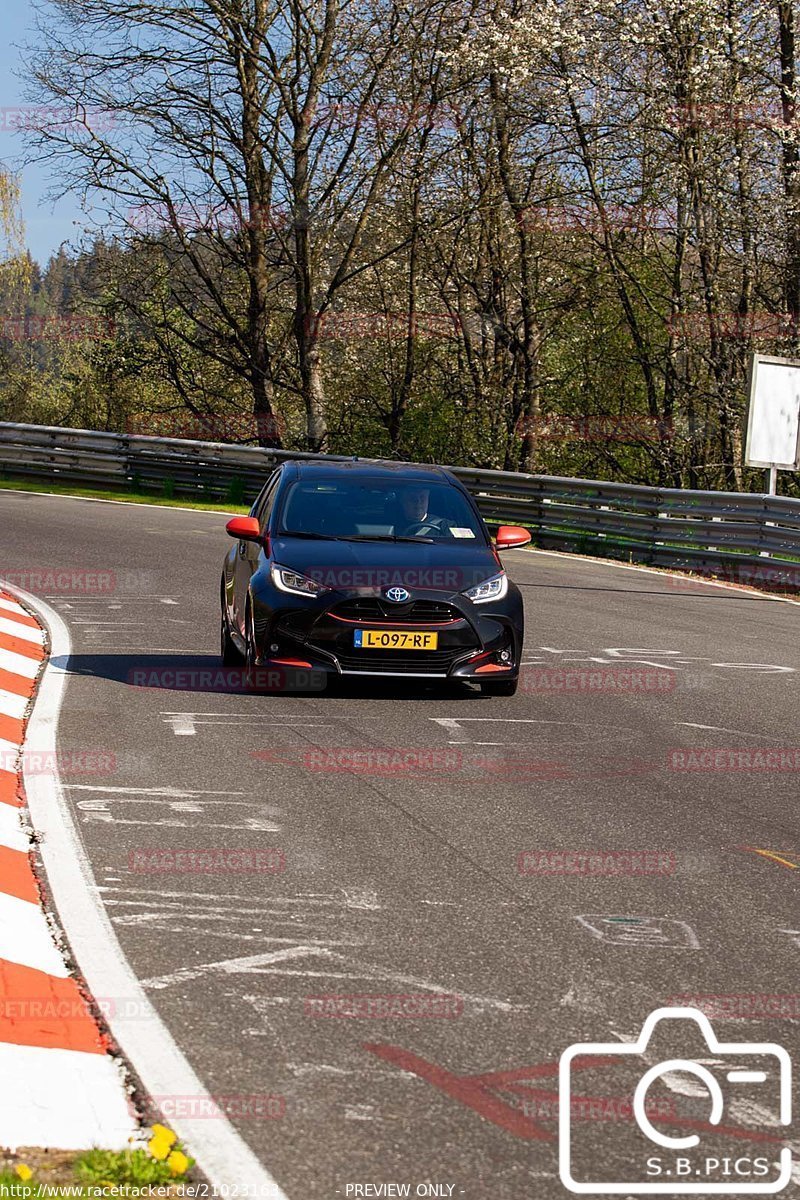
{"points": [[224, 1158], [59, 1086]]}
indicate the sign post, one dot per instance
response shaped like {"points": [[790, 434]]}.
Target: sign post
{"points": [[773, 420]]}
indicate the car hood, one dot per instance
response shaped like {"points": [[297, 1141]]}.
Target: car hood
{"points": [[417, 566]]}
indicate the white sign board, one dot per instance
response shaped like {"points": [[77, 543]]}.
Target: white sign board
{"points": [[773, 423]]}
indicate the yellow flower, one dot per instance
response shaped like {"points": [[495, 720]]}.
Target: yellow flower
{"points": [[161, 1131], [23, 1172], [159, 1147], [177, 1162]]}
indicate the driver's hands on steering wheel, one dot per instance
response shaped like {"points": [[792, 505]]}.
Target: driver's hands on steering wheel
{"points": [[424, 528]]}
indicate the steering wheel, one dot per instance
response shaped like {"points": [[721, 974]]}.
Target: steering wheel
{"points": [[431, 525]]}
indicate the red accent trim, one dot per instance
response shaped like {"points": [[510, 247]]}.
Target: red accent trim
{"points": [[287, 662], [402, 624], [491, 667]]}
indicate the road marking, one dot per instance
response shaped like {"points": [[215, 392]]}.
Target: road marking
{"points": [[659, 932], [12, 705], [750, 593], [221, 1153], [86, 1103], [174, 792], [346, 968], [19, 664], [26, 937], [722, 729], [12, 835], [771, 854], [184, 724]]}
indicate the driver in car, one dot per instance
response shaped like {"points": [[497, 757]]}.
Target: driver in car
{"points": [[415, 521]]}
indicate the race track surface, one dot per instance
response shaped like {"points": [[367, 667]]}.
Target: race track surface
{"points": [[424, 872]]}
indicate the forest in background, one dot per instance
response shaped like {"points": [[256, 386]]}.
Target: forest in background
{"points": [[543, 240]]}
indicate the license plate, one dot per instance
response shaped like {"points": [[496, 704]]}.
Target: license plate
{"points": [[394, 639]]}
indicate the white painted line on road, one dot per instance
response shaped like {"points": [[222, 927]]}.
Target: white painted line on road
{"points": [[25, 936], [184, 724], [10, 606], [11, 834], [64, 1098], [168, 792], [19, 664], [25, 633], [221, 1153], [270, 963], [193, 512], [721, 729], [683, 576], [9, 753], [12, 705]]}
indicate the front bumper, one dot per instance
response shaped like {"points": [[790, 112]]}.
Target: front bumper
{"points": [[473, 643]]}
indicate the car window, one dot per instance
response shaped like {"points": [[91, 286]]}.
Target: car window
{"points": [[262, 509], [368, 508]]}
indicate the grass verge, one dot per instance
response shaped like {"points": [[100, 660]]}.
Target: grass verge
{"points": [[131, 497], [159, 1163]]}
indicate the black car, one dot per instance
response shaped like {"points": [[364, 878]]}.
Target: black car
{"points": [[366, 569]]}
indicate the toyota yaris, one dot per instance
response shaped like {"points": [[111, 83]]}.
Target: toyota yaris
{"points": [[371, 569]]}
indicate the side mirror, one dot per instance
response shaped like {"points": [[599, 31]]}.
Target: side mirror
{"points": [[246, 529], [508, 536]]}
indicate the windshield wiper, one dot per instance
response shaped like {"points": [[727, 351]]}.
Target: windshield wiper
{"points": [[382, 537], [304, 533]]}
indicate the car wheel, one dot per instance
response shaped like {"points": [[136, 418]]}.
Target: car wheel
{"points": [[250, 650], [230, 655], [500, 687]]}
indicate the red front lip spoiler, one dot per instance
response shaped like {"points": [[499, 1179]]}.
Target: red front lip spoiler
{"points": [[400, 624]]}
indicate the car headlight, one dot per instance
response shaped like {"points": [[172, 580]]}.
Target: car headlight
{"points": [[287, 580], [491, 589]]}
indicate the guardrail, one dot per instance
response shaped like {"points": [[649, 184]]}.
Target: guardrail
{"points": [[741, 536]]}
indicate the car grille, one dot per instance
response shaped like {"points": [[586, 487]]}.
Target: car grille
{"points": [[426, 661], [419, 612]]}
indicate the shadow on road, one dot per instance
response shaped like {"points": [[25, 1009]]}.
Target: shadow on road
{"points": [[204, 673]]}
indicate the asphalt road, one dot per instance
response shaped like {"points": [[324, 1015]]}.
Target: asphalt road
{"points": [[409, 881]]}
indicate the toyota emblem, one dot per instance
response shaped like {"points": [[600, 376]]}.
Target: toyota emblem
{"points": [[397, 595]]}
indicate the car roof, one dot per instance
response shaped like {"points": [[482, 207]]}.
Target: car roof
{"points": [[407, 472]]}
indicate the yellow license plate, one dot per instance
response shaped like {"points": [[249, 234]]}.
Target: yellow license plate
{"points": [[394, 639]]}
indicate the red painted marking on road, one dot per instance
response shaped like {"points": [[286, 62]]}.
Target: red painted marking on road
{"points": [[16, 875], [21, 618], [18, 684], [473, 1091], [465, 1089], [11, 728], [37, 1009], [9, 789], [21, 646]]}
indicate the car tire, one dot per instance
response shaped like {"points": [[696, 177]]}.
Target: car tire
{"points": [[230, 655], [500, 687], [250, 653]]}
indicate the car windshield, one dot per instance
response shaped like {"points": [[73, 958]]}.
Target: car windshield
{"points": [[374, 510]]}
